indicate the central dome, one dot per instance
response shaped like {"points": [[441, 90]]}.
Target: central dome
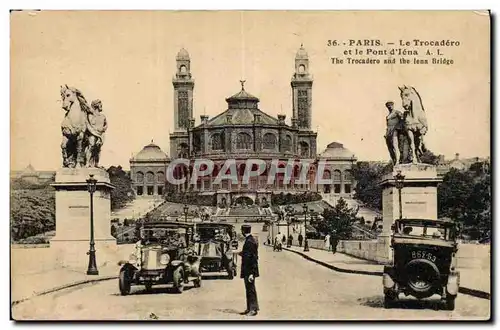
{"points": [[151, 152], [336, 150]]}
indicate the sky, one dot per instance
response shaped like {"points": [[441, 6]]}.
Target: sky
{"points": [[127, 60]]}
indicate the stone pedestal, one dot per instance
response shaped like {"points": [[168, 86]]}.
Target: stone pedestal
{"points": [[418, 197], [71, 242]]}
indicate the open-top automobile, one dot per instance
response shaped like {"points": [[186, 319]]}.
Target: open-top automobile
{"points": [[216, 243], [165, 254]]}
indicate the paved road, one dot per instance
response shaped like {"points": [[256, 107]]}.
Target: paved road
{"points": [[290, 287]]}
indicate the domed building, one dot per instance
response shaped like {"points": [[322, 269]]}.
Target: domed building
{"points": [[147, 170], [338, 165], [240, 132]]}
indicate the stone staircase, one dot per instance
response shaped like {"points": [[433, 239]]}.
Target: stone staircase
{"points": [[138, 208]]}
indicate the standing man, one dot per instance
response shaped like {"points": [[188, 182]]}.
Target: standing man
{"points": [[393, 131], [301, 238], [334, 241], [250, 270]]}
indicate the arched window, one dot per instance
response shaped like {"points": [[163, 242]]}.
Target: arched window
{"points": [[287, 143], [139, 177], [269, 141], [150, 177], [337, 176], [183, 69], [347, 176], [302, 68], [183, 151], [160, 177], [304, 149], [244, 141], [327, 175], [217, 142]]}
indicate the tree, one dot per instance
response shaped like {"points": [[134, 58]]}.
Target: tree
{"points": [[32, 212], [368, 176], [123, 192], [339, 219], [465, 196], [429, 158]]}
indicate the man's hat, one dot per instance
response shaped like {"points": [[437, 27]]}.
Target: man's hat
{"points": [[389, 103], [246, 228]]}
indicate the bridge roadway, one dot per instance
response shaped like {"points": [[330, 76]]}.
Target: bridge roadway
{"points": [[289, 288]]}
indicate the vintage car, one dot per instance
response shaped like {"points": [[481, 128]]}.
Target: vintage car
{"points": [[165, 254], [215, 244], [424, 261]]}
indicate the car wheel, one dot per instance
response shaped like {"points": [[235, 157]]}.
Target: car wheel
{"points": [[449, 303], [230, 273], [124, 283], [197, 282], [389, 300], [178, 279]]}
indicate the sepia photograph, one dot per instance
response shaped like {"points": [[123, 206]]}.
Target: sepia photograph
{"points": [[299, 165]]}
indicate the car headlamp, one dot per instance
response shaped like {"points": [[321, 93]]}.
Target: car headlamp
{"points": [[164, 259]]}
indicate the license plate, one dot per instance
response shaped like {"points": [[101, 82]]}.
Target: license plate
{"points": [[423, 255]]}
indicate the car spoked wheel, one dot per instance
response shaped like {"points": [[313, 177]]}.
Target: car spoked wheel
{"points": [[197, 282], [230, 273], [178, 279]]}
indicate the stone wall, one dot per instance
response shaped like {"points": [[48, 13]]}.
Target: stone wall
{"points": [[469, 255]]}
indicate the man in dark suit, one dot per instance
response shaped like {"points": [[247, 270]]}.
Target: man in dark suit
{"points": [[250, 270]]}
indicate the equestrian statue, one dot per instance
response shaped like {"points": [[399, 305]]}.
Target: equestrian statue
{"points": [[83, 129], [406, 129]]}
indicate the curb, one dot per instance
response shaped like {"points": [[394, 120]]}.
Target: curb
{"points": [[463, 290], [62, 287]]}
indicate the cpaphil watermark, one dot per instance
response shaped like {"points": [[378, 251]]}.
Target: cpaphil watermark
{"points": [[298, 171]]}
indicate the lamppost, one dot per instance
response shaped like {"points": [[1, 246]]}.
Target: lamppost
{"points": [[91, 187], [186, 209], [306, 245], [399, 180]]}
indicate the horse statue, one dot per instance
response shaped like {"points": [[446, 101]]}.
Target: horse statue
{"points": [[80, 136], [414, 126]]}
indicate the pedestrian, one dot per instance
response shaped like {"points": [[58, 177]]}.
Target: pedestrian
{"points": [[250, 270], [334, 241], [301, 238], [290, 240], [327, 242]]}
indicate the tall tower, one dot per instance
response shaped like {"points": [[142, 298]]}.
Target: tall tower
{"points": [[302, 91], [183, 92]]}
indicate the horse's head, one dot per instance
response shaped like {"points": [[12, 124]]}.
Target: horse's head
{"points": [[407, 97], [68, 95]]}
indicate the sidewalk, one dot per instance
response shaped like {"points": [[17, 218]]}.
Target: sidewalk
{"points": [[475, 281], [33, 273]]}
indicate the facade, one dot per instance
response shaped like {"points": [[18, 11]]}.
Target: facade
{"points": [[242, 131], [461, 164], [147, 170], [339, 162]]}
